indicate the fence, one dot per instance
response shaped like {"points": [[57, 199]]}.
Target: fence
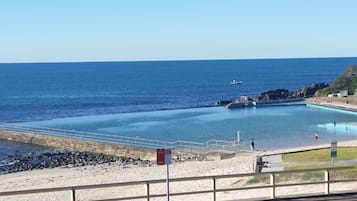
{"points": [[146, 193], [197, 147]]}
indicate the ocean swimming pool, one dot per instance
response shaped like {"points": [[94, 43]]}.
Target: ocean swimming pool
{"points": [[271, 127]]}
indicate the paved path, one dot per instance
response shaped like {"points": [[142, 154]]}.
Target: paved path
{"points": [[336, 105], [275, 163], [339, 162]]}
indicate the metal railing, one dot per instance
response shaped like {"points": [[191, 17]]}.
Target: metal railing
{"points": [[196, 147], [147, 194]]}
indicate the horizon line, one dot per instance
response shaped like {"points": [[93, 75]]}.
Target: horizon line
{"points": [[170, 60]]}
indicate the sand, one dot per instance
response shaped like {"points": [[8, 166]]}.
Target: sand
{"points": [[100, 174], [342, 103], [60, 177]]}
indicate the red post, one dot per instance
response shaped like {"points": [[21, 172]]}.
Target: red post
{"points": [[160, 156], [163, 156]]}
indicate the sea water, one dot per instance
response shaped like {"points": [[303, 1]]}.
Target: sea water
{"points": [[52, 90], [49, 91]]}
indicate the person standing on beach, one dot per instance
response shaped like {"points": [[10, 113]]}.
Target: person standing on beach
{"points": [[251, 144], [334, 124], [316, 136]]}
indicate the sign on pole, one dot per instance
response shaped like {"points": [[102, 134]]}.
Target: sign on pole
{"points": [[167, 156], [333, 149], [163, 156], [238, 136], [160, 156]]}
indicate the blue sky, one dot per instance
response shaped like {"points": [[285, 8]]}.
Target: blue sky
{"points": [[105, 30]]}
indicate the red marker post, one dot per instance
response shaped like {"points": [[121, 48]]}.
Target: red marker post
{"points": [[163, 156]]}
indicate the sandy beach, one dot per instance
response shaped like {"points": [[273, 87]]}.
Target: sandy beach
{"points": [[100, 174]]}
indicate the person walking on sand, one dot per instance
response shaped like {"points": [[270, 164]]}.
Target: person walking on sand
{"points": [[251, 144]]}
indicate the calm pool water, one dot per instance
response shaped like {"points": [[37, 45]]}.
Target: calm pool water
{"points": [[271, 127]]}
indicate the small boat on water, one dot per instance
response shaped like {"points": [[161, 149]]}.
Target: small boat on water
{"points": [[235, 82]]}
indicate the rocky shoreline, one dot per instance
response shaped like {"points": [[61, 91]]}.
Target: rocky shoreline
{"points": [[278, 94], [63, 158], [282, 94], [67, 159]]}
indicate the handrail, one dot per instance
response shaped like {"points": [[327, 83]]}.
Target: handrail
{"points": [[272, 184], [179, 145]]}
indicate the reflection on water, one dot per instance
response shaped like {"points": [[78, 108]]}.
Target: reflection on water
{"points": [[343, 127]]}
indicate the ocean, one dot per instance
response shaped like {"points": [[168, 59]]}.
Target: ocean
{"points": [[33, 92]]}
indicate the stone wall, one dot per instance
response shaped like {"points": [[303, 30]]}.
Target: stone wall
{"points": [[79, 145]]}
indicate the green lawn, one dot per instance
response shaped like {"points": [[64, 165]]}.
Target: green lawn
{"points": [[336, 174], [343, 153], [322, 155]]}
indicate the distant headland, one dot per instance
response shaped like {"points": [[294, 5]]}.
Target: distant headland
{"points": [[344, 85]]}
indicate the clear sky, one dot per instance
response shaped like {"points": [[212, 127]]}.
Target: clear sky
{"points": [[116, 30]]}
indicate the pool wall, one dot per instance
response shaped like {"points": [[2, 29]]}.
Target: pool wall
{"points": [[79, 145], [332, 108]]}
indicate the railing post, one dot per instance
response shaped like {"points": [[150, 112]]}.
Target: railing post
{"points": [[73, 192], [327, 182], [147, 191], [272, 183], [214, 188]]}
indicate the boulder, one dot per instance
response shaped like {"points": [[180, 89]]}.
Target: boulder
{"points": [[277, 94], [62, 158], [307, 92], [272, 95]]}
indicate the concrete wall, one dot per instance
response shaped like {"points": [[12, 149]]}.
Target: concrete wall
{"points": [[79, 145]]}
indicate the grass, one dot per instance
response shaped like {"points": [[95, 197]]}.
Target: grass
{"points": [[306, 176], [258, 179], [336, 174], [322, 155], [350, 171], [307, 167]]}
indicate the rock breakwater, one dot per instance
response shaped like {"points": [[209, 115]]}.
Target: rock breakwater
{"points": [[281, 94], [66, 159], [62, 158], [278, 94]]}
